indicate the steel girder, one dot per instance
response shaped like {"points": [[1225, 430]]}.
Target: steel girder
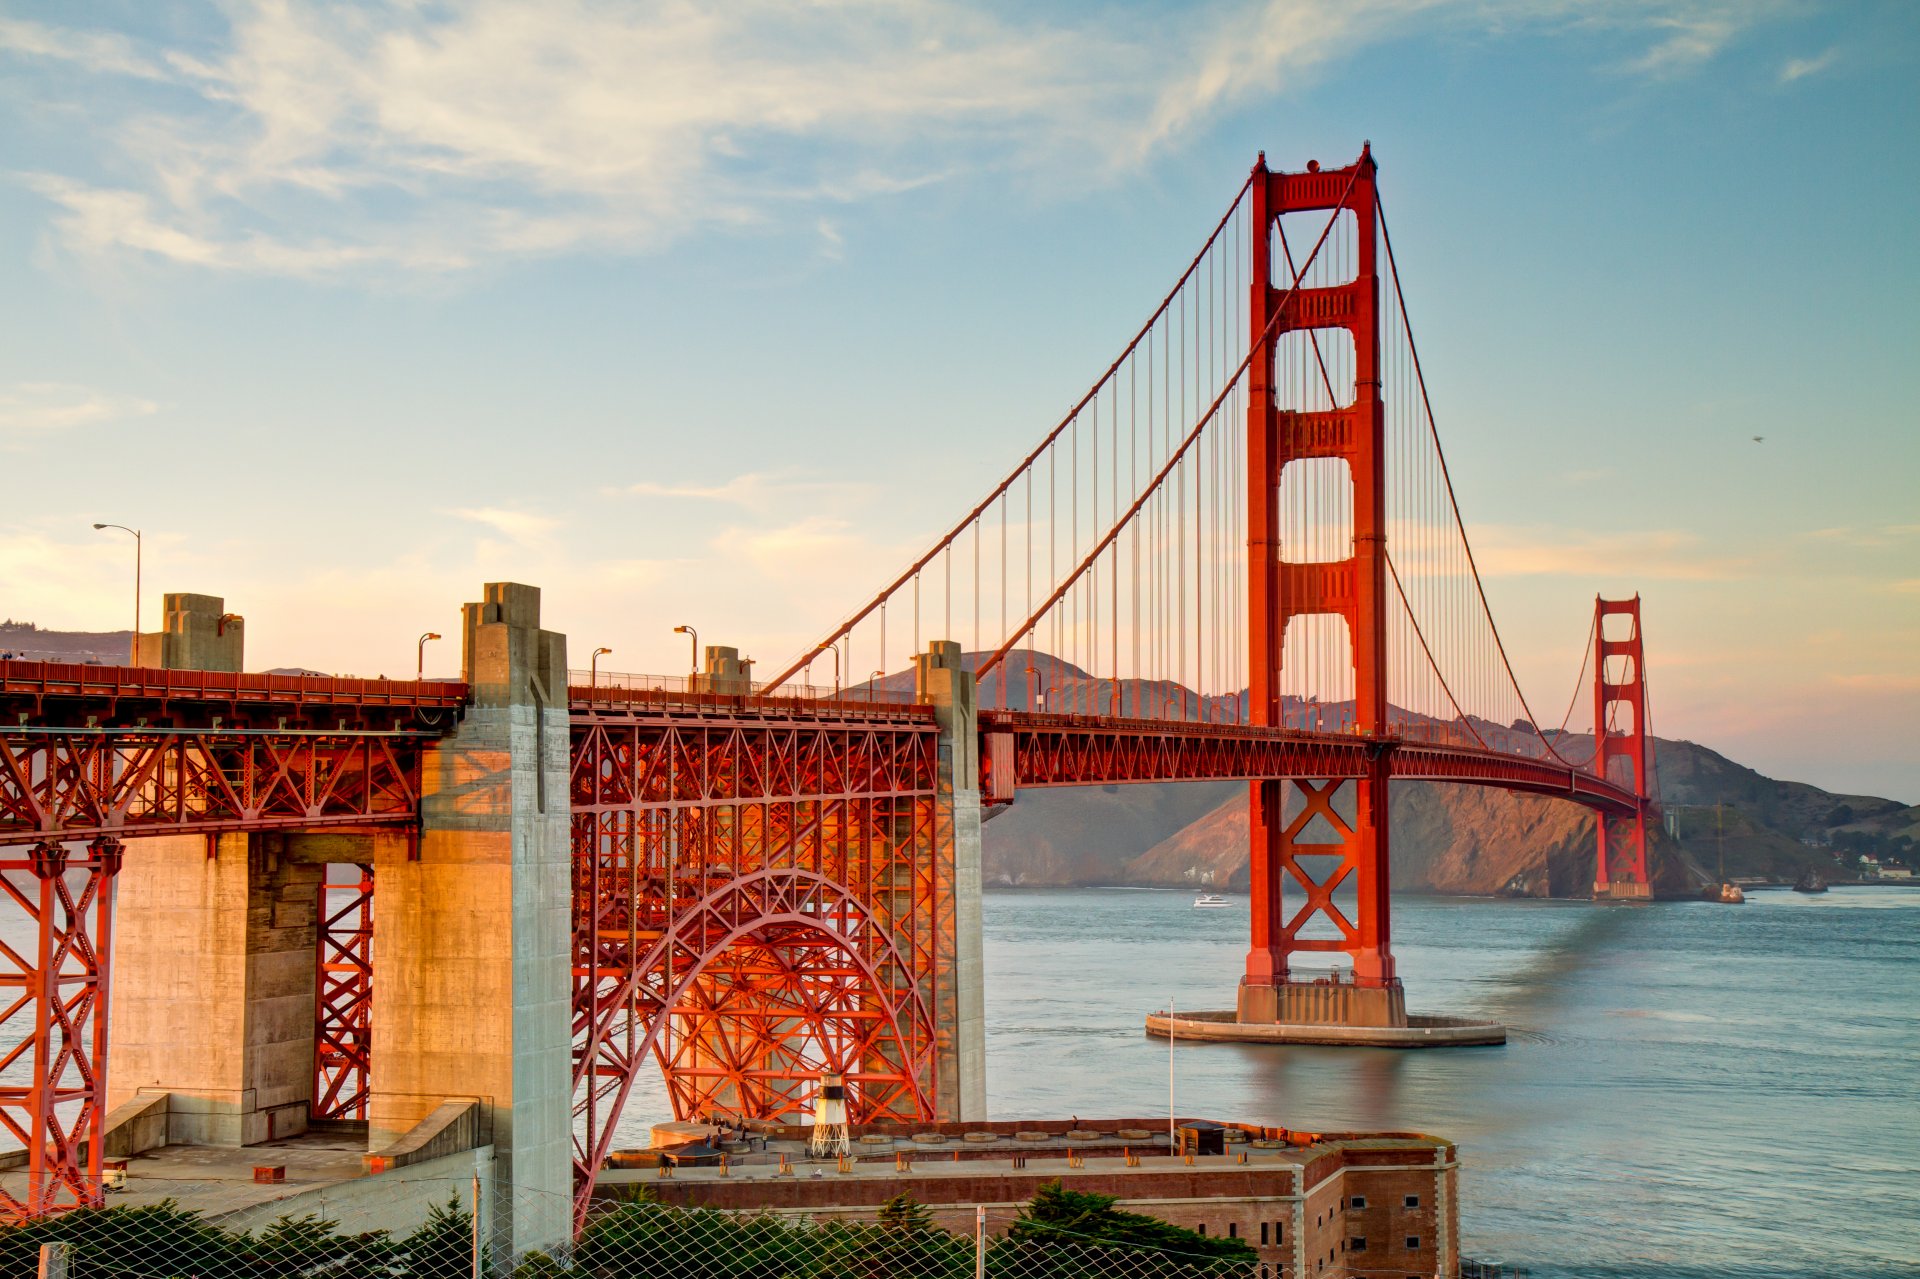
{"points": [[343, 993], [1023, 750], [71, 784], [53, 1028], [756, 902]]}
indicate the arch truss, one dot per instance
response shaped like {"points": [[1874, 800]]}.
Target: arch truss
{"points": [[757, 904]]}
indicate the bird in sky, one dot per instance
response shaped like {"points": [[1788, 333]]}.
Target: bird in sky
{"points": [[1758, 438]]}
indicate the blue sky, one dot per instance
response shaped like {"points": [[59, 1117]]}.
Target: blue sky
{"points": [[714, 316]]}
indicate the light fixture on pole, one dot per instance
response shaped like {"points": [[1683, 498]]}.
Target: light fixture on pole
{"points": [[835, 650], [133, 645], [693, 639], [420, 666], [873, 684], [593, 667]]}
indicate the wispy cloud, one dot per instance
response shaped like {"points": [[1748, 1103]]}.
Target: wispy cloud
{"points": [[1801, 68], [1670, 554], [29, 408], [1866, 538], [325, 140], [517, 526], [753, 489], [1688, 41]]}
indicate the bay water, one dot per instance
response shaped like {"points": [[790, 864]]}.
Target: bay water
{"points": [[1689, 1090]]}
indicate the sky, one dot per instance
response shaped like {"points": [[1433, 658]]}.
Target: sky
{"points": [[717, 314]]}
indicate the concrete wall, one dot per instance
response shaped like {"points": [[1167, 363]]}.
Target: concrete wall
{"points": [[472, 944], [396, 1201], [213, 986]]}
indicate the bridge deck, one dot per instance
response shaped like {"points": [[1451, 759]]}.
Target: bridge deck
{"points": [[1026, 749]]}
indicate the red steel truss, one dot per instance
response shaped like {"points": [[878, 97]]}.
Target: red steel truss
{"points": [[343, 993], [757, 901], [1022, 750], [87, 751], [1620, 733], [54, 1027], [74, 784]]}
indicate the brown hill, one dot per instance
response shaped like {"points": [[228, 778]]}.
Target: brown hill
{"points": [[1461, 839]]}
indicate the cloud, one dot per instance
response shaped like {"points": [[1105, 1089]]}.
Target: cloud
{"points": [[1670, 554], [1689, 42], [517, 526], [345, 140], [1866, 538], [101, 53], [29, 408], [1801, 68], [753, 489]]}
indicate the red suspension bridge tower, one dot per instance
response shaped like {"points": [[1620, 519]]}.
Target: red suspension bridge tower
{"points": [[1345, 840], [1620, 733]]}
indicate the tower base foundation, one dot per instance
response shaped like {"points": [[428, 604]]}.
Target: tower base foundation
{"points": [[1418, 1031], [1619, 892]]}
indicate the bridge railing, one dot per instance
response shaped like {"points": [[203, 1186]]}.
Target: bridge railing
{"points": [[623, 688], [69, 679]]}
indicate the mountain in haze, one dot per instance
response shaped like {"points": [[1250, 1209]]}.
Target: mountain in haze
{"points": [[1450, 838], [30, 643]]}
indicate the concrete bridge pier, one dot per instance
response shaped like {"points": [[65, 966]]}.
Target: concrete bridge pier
{"points": [[943, 683], [472, 944], [213, 994], [216, 965]]}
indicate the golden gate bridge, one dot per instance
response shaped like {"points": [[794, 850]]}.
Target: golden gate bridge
{"points": [[1238, 556]]}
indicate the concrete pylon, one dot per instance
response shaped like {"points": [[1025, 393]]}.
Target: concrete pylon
{"points": [[726, 672], [213, 987], [197, 635], [214, 941], [472, 958], [943, 683]]}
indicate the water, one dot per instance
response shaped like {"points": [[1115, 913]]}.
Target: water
{"points": [[1689, 1089]]}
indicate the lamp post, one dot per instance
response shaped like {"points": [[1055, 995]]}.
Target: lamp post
{"points": [[593, 667], [693, 659], [835, 650], [873, 685], [420, 667], [133, 645]]}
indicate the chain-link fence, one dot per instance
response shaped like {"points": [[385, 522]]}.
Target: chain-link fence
{"points": [[1073, 1238]]}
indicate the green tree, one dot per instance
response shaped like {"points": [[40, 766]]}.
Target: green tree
{"points": [[1064, 1233], [442, 1248]]}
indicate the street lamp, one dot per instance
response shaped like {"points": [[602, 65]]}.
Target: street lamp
{"points": [[873, 683], [133, 645], [593, 667], [693, 637], [835, 650], [420, 667]]}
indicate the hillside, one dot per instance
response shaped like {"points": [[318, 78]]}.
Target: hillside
{"points": [[29, 643], [1455, 839]]}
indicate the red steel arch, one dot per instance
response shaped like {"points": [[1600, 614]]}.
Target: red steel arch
{"points": [[763, 984], [761, 896]]}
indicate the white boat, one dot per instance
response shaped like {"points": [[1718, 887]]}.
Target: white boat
{"points": [[1208, 901]]}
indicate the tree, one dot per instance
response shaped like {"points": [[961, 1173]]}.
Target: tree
{"points": [[1840, 816], [903, 1214], [1083, 1228], [442, 1248]]}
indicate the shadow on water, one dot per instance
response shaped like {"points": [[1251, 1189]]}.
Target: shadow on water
{"points": [[1529, 994]]}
